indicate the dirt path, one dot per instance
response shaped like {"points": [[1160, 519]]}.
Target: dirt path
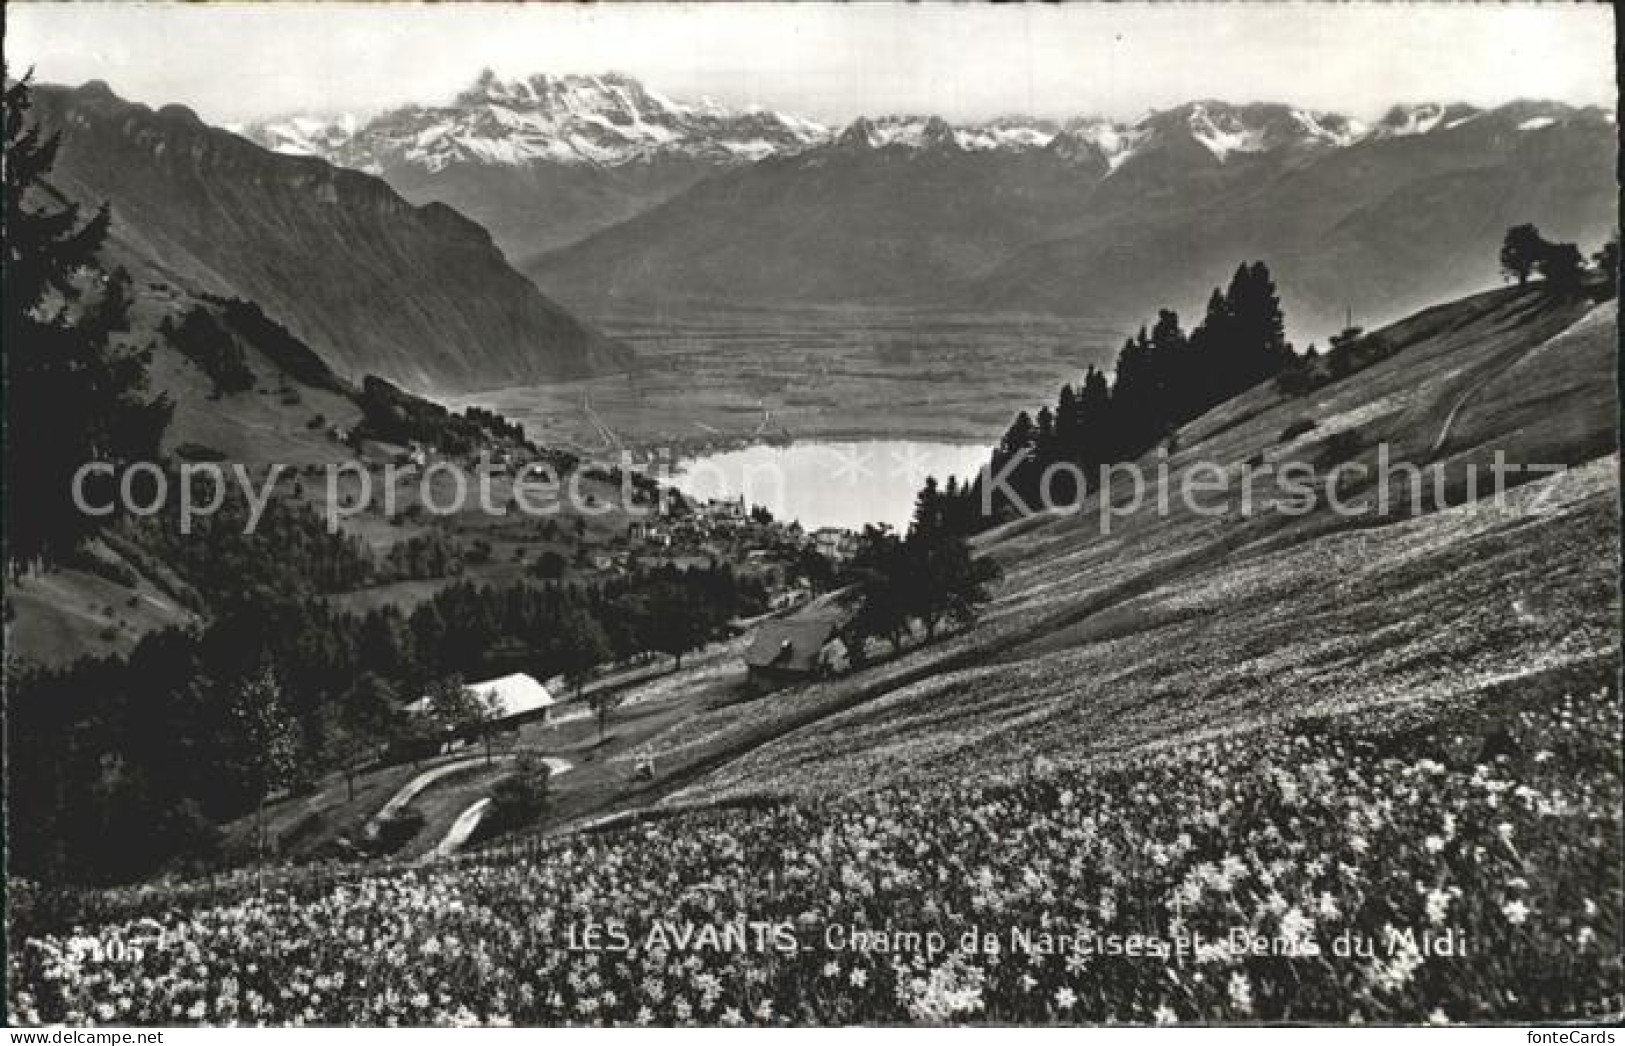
{"points": [[1491, 373], [1485, 373], [416, 787], [462, 829]]}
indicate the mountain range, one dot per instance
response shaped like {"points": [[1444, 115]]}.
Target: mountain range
{"points": [[373, 283], [1109, 222], [545, 160], [617, 198]]}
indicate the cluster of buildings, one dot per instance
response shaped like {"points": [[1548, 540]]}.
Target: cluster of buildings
{"points": [[834, 543], [720, 525]]}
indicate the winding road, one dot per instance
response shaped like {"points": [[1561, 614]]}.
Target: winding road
{"points": [[463, 828], [415, 787]]}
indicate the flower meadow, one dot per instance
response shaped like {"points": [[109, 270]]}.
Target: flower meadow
{"points": [[1458, 870]]}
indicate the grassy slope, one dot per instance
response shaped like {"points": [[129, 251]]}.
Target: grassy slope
{"points": [[71, 613], [417, 294], [68, 614], [1171, 629]]}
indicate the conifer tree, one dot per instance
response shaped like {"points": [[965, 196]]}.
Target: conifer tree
{"points": [[74, 396]]}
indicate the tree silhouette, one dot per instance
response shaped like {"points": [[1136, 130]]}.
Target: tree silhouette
{"points": [[1163, 379], [457, 709], [943, 581], [1606, 261], [1170, 353], [580, 646], [929, 509], [884, 605], [352, 728], [676, 624], [929, 577], [1563, 269], [73, 394], [1258, 348], [263, 743], [1521, 251]]}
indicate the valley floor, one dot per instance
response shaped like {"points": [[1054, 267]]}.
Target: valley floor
{"points": [[724, 379]]}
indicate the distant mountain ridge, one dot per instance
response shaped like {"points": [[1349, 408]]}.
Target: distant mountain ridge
{"points": [[602, 121], [613, 119], [544, 161], [374, 284], [1379, 218]]}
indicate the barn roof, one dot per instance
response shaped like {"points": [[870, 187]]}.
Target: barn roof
{"points": [[792, 643], [515, 694]]}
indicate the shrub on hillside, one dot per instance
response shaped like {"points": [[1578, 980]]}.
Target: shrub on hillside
{"points": [[1296, 429], [519, 798], [549, 566], [396, 831], [279, 344], [1296, 380], [200, 338]]}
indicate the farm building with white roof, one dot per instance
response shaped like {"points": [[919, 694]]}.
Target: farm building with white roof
{"points": [[516, 697]]}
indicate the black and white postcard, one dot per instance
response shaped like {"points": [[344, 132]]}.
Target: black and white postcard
{"points": [[676, 514]]}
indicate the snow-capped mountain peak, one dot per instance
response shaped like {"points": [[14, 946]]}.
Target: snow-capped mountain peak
{"points": [[612, 119], [304, 135], [605, 121], [1226, 131], [1423, 118]]}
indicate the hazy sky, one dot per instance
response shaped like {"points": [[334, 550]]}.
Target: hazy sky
{"points": [[236, 62]]}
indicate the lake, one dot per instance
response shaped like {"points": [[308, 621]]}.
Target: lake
{"points": [[836, 484]]}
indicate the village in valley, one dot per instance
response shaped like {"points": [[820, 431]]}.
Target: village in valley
{"points": [[584, 733]]}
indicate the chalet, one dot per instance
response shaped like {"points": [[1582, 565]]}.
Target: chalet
{"points": [[518, 698], [834, 543], [802, 646], [726, 508]]}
